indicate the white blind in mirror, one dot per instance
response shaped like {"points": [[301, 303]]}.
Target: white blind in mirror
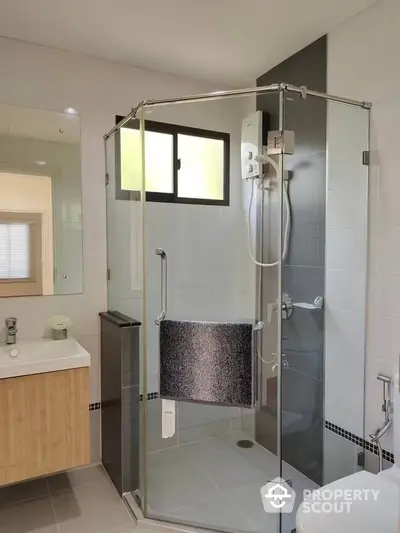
{"points": [[14, 250]]}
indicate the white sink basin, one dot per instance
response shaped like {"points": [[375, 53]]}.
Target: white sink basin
{"points": [[41, 355]]}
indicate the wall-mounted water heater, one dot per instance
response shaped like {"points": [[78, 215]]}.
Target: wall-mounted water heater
{"points": [[258, 143], [252, 145]]}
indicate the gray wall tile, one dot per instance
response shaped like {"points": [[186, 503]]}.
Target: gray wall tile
{"points": [[340, 457], [372, 463], [303, 277], [95, 436], [130, 356], [130, 438]]}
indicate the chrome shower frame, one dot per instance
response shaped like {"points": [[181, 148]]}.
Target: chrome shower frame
{"points": [[217, 95], [138, 113]]}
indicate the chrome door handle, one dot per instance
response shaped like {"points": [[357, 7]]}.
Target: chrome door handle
{"points": [[164, 282]]}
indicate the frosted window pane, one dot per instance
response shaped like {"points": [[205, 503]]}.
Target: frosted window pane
{"points": [[14, 250], [159, 161], [201, 174]]}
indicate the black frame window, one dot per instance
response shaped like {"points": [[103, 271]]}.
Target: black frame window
{"points": [[173, 130]]}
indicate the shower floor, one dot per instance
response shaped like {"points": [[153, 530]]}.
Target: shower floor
{"points": [[216, 484]]}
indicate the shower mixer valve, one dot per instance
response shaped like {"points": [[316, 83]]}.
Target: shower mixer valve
{"points": [[284, 362]]}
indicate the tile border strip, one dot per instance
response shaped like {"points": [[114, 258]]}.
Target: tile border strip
{"points": [[151, 396], [388, 456], [359, 441]]}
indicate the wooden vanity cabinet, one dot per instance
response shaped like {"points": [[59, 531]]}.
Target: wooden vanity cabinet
{"points": [[44, 424]]}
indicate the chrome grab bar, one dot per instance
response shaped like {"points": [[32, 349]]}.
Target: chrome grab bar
{"points": [[164, 279]]}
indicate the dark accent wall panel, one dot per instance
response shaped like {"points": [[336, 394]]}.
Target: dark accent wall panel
{"points": [[120, 399], [304, 269]]}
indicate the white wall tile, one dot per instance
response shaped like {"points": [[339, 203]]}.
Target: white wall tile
{"points": [[347, 207], [388, 294], [344, 369], [384, 338], [388, 248], [346, 249], [340, 457], [346, 290], [372, 34], [192, 414], [91, 343]]}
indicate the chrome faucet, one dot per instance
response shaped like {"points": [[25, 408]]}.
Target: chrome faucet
{"points": [[11, 325]]}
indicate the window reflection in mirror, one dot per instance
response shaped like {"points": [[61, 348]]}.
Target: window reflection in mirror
{"points": [[40, 203]]}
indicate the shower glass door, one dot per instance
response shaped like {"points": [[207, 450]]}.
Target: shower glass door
{"points": [[252, 299], [324, 280], [201, 462]]}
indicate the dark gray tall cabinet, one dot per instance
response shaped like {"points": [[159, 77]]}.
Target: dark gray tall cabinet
{"points": [[120, 399]]}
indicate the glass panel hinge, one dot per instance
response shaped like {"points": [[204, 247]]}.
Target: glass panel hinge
{"points": [[366, 156], [361, 459]]}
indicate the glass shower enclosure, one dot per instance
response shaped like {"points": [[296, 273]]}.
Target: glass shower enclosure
{"points": [[237, 225]]}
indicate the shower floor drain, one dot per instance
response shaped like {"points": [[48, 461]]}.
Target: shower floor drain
{"points": [[245, 443]]}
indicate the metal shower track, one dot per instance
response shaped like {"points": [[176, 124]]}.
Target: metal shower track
{"points": [[275, 87]]}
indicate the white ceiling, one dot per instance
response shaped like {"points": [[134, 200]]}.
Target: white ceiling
{"points": [[227, 42]]}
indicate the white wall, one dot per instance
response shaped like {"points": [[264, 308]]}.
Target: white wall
{"points": [[35, 76], [363, 64]]}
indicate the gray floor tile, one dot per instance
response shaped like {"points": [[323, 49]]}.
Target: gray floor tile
{"points": [[229, 469], [77, 478], [300, 482], [170, 456], [198, 433], [257, 457], [170, 487], [212, 483], [128, 528], [180, 477], [92, 508], [230, 466], [218, 513], [248, 500], [33, 516], [22, 492]]}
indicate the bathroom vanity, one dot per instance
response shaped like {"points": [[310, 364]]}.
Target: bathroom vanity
{"points": [[44, 414]]}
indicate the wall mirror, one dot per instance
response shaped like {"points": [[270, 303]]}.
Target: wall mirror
{"points": [[40, 203]]}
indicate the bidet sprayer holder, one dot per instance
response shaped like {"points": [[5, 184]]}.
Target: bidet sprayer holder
{"points": [[386, 403], [387, 408]]}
